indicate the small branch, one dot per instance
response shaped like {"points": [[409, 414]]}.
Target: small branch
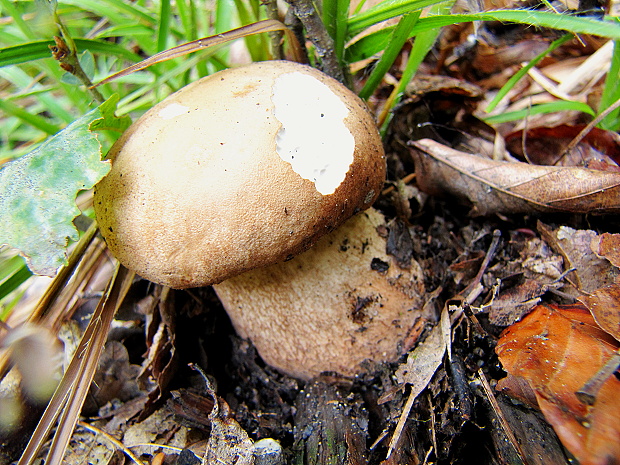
{"points": [[68, 60], [591, 125], [297, 29], [276, 37], [318, 35]]}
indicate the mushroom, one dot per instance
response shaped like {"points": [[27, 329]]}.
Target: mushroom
{"points": [[247, 168]]}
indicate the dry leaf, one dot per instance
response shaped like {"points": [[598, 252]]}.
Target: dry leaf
{"points": [[558, 350], [591, 272], [604, 304], [512, 187], [115, 378], [515, 302], [600, 149], [228, 444], [607, 246], [423, 361]]}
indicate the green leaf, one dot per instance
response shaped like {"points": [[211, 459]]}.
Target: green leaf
{"points": [[551, 107], [523, 71], [24, 53], [384, 10], [375, 42], [109, 121], [38, 190]]}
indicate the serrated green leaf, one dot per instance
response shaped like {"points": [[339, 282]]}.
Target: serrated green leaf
{"points": [[109, 121], [38, 190]]}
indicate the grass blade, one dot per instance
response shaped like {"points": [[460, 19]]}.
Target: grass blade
{"points": [[34, 120], [574, 24], [31, 51], [551, 107], [335, 18], [16, 273], [163, 25], [384, 10], [611, 90], [399, 37], [523, 71], [73, 387], [375, 42], [422, 45]]}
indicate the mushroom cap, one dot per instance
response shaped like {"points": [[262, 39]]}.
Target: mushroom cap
{"points": [[242, 169]]}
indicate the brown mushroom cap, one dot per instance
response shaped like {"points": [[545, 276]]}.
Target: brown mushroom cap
{"points": [[244, 168]]}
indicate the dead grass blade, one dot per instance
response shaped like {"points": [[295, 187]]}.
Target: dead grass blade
{"points": [[69, 396], [267, 25], [113, 441], [55, 288]]}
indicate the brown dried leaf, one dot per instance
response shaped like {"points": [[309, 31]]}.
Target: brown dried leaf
{"points": [[607, 246], [424, 360], [228, 443], [591, 272], [600, 149], [512, 187], [558, 350], [604, 304], [115, 378], [515, 302]]}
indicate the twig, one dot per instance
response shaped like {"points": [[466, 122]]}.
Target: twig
{"points": [[112, 440], [485, 263], [276, 37], [401, 422], [500, 416], [587, 393], [293, 23], [591, 125], [320, 38], [68, 60]]}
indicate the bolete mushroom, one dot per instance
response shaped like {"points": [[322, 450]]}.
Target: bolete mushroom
{"points": [[247, 168]]}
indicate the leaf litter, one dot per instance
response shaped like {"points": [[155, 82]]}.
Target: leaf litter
{"points": [[550, 252]]}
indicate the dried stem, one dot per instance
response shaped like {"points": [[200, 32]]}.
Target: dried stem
{"points": [[65, 53], [276, 37], [320, 38]]}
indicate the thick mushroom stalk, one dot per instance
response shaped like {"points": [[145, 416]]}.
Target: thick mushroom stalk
{"points": [[343, 302]]}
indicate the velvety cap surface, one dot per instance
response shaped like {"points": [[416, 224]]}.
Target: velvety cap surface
{"points": [[241, 169]]}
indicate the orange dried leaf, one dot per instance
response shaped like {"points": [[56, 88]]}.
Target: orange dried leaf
{"points": [[557, 350]]}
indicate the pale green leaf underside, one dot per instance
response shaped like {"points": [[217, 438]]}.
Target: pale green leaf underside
{"points": [[38, 191]]}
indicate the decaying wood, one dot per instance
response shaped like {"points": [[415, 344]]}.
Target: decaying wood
{"points": [[327, 429]]}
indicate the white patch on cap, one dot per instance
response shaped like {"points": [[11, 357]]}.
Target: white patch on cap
{"points": [[313, 137], [173, 110]]}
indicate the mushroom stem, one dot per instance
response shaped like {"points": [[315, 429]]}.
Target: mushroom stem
{"points": [[331, 308]]}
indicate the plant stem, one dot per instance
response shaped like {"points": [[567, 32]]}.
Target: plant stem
{"points": [[65, 52], [276, 37], [320, 38]]}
